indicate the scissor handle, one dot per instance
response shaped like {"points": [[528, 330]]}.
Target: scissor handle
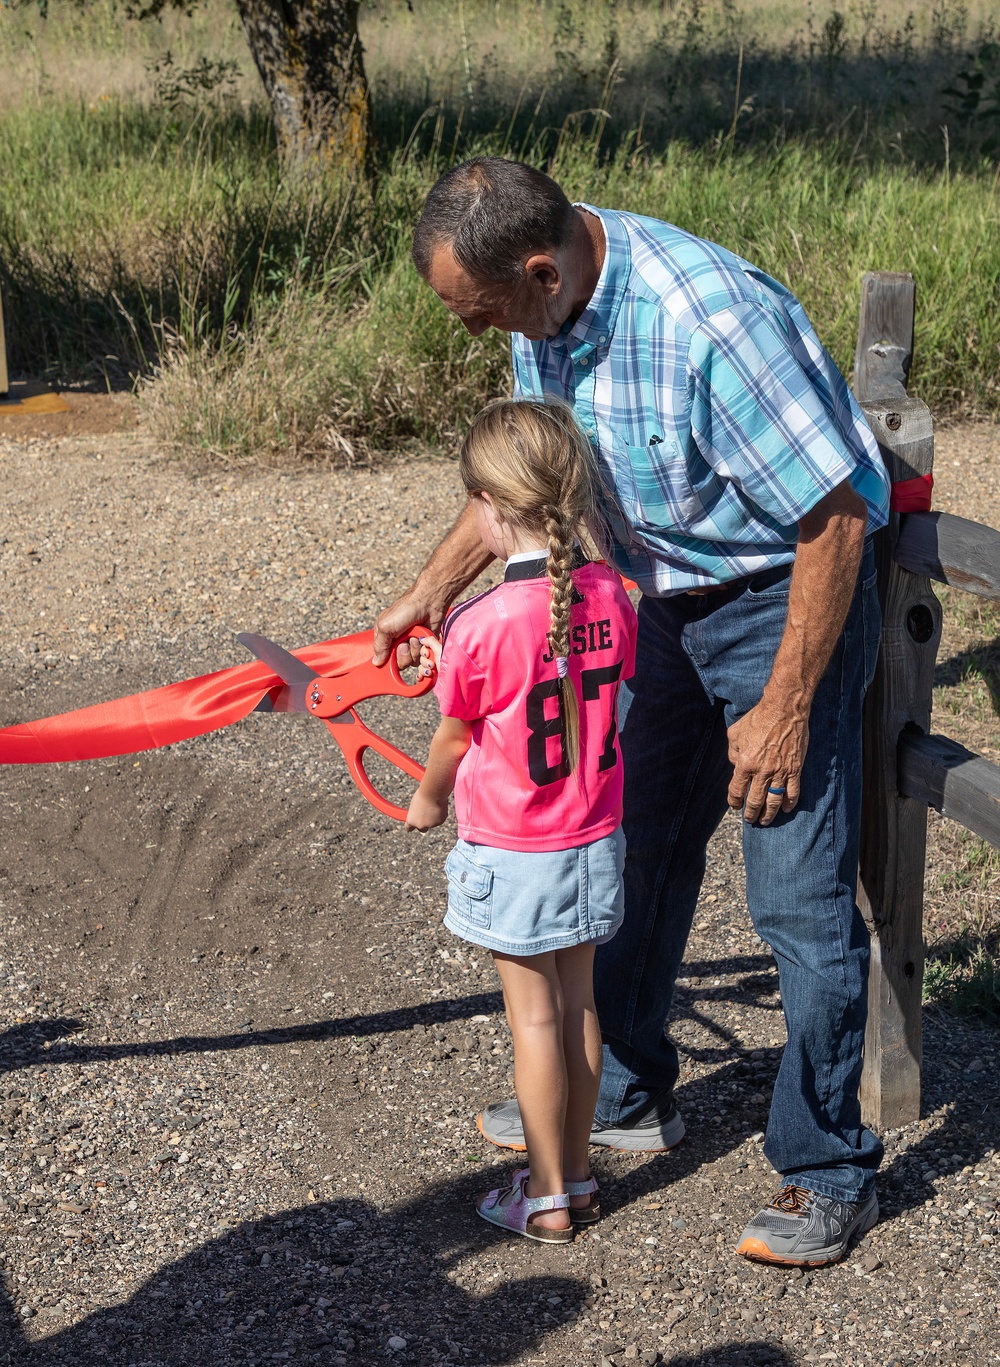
{"points": [[357, 680], [408, 690], [354, 739]]}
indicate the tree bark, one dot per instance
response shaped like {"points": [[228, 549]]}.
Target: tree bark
{"points": [[309, 57]]}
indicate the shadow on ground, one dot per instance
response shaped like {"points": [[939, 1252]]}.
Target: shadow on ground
{"points": [[979, 660], [331, 1283], [27, 1044], [337, 1277], [49, 1041]]}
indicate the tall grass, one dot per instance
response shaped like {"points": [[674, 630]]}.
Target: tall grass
{"points": [[695, 70], [141, 239], [669, 65]]}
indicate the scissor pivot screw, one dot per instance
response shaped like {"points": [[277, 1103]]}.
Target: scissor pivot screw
{"points": [[315, 697]]}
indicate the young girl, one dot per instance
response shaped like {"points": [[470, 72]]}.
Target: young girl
{"points": [[528, 678]]}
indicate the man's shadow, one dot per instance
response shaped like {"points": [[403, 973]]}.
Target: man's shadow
{"points": [[340, 1278], [331, 1283], [332, 1292], [317, 1282]]}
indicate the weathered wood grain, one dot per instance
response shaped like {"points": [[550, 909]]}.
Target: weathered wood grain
{"points": [[885, 335], [894, 827], [951, 550], [956, 781]]}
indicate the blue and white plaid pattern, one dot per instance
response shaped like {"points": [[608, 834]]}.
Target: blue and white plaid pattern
{"points": [[718, 418]]}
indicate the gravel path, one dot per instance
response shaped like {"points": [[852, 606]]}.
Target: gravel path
{"points": [[242, 1059]]}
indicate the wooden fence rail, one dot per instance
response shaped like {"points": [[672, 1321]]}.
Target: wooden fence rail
{"points": [[951, 550], [954, 780], [906, 769]]}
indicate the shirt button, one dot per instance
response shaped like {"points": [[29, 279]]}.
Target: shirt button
{"points": [[602, 340], [583, 361]]}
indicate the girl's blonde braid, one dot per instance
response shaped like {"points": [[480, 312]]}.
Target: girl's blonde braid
{"points": [[560, 531], [538, 468]]}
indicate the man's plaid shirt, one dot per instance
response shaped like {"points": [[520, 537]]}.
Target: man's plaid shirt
{"points": [[718, 418]]}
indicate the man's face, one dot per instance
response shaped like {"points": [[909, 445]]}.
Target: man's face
{"points": [[535, 308]]}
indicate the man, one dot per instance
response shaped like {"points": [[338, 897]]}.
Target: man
{"points": [[741, 483]]}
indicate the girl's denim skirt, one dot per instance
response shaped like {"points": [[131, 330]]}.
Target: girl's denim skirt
{"points": [[529, 902]]}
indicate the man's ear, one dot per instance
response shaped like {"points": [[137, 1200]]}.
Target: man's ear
{"points": [[544, 269]]}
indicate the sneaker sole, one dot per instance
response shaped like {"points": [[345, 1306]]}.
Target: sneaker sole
{"points": [[669, 1140], [637, 1141], [500, 1143], [757, 1250]]}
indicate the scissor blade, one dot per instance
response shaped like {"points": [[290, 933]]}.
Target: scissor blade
{"points": [[282, 699], [286, 665]]}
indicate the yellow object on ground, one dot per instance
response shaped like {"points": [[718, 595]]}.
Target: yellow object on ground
{"points": [[37, 403]]}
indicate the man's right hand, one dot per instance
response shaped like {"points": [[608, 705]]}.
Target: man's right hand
{"points": [[453, 566], [411, 610]]}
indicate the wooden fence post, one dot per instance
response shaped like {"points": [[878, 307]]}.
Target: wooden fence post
{"points": [[894, 828], [4, 384]]}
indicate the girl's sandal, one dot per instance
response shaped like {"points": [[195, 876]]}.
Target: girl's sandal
{"points": [[589, 1214], [510, 1208]]}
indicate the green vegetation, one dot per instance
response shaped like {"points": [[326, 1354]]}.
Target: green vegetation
{"points": [[144, 229], [966, 978], [968, 683], [962, 970]]}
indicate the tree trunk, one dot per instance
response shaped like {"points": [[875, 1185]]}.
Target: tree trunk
{"points": [[309, 57]]}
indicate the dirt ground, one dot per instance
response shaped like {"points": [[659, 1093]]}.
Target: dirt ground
{"points": [[242, 1060], [81, 414]]}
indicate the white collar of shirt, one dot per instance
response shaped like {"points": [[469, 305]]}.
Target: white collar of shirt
{"points": [[540, 554]]}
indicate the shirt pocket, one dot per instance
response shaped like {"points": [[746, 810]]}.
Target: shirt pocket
{"points": [[470, 889], [665, 490]]}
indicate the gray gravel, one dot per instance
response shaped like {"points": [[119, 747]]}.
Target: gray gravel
{"points": [[242, 1060]]}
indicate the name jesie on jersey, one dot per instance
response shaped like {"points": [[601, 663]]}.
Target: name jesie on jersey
{"points": [[586, 637], [514, 789]]}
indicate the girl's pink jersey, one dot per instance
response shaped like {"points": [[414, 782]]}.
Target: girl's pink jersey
{"points": [[513, 790]]}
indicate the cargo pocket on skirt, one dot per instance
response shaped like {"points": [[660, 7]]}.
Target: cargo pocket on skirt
{"points": [[470, 889]]}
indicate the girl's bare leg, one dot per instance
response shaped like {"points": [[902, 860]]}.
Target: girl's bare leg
{"points": [[582, 1052], [533, 997]]}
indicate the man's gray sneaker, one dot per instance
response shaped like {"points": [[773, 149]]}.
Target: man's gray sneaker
{"points": [[661, 1129], [800, 1228]]}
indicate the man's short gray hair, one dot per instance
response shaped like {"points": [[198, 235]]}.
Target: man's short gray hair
{"points": [[494, 214]]}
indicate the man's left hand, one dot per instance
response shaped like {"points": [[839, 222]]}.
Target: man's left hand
{"points": [[768, 744], [767, 747]]}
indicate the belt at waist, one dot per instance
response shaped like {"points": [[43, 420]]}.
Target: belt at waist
{"points": [[759, 581]]}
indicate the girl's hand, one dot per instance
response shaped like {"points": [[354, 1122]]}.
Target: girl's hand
{"points": [[424, 813], [430, 656]]}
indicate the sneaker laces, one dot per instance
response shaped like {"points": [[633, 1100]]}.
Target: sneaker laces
{"points": [[792, 1200]]}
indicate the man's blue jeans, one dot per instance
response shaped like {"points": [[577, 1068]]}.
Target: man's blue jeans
{"points": [[702, 662]]}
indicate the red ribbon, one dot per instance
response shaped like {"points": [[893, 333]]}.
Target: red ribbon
{"points": [[912, 495], [162, 716]]}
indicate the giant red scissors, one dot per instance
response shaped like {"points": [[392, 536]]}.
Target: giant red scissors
{"points": [[328, 681]]}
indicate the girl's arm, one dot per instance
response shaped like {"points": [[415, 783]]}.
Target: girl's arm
{"points": [[429, 806]]}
